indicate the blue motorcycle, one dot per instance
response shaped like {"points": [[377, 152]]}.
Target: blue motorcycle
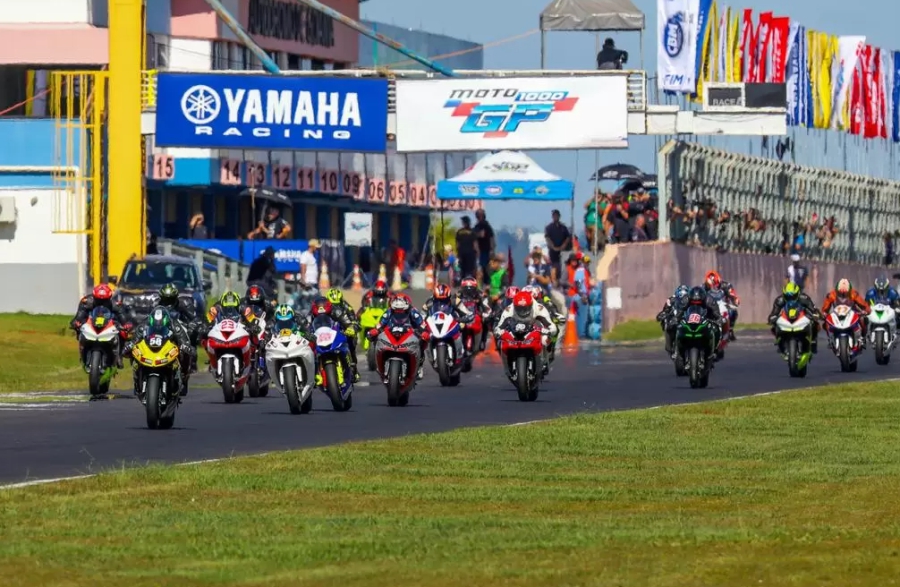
{"points": [[334, 375]]}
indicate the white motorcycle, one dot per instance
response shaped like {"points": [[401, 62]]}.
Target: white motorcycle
{"points": [[291, 363], [844, 330], [229, 347], [98, 346], [882, 331], [445, 348]]}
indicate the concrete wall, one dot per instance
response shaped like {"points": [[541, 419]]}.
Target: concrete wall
{"points": [[649, 273]]}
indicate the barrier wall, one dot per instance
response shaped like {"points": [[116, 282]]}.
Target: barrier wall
{"points": [[648, 273]]}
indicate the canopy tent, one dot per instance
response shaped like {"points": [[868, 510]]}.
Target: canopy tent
{"points": [[507, 175], [591, 15]]}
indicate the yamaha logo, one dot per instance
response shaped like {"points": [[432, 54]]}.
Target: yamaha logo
{"points": [[673, 35], [201, 104]]}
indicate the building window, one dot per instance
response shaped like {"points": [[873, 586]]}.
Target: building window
{"points": [[328, 66], [294, 62], [317, 65], [220, 57], [339, 66]]}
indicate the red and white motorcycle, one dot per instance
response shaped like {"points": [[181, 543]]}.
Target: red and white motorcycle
{"points": [[445, 348], [844, 331], [229, 346]]}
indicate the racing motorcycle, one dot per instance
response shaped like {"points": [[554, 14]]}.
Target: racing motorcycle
{"points": [[522, 354], [98, 344], [844, 335], [445, 347], [694, 341], [368, 320], [291, 363], [472, 333], [397, 357], [794, 335], [335, 378], [882, 331], [258, 381], [160, 376], [718, 296], [229, 346]]}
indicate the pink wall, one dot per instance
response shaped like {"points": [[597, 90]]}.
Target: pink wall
{"points": [[48, 44], [195, 19]]}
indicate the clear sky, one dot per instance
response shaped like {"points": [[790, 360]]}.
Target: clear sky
{"points": [[486, 21]]}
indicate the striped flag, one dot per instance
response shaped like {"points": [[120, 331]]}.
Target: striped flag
{"points": [[798, 79]]}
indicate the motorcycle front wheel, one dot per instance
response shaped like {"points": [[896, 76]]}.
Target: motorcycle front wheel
{"points": [[95, 373], [395, 397], [527, 391]]}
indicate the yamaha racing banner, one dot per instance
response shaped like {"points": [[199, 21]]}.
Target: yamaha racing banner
{"points": [[676, 56], [509, 113], [265, 112]]}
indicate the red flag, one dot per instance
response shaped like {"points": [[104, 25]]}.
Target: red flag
{"points": [[857, 96], [748, 44], [763, 46], [780, 31], [881, 90]]}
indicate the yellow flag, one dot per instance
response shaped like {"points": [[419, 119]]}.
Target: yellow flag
{"points": [[706, 52], [823, 49], [735, 71]]}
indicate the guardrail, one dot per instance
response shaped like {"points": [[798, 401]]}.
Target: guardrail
{"points": [[222, 272], [751, 204], [637, 80]]}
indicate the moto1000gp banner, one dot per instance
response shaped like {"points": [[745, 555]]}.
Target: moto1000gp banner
{"points": [[512, 113], [267, 112]]}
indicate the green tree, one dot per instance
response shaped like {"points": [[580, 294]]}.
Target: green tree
{"points": [[442, 232]]}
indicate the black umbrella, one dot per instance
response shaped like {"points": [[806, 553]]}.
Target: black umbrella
{"points": [[268, 195], [618, 171], [650, 182]]}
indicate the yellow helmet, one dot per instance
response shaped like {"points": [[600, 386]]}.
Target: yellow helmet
{"points": [[335, 296], [230, 299], [791, 291]]}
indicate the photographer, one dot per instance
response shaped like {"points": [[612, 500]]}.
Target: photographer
{"points": [[611, 58]]}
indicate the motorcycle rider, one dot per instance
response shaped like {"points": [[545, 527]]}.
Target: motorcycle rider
{"points": [[321, 305], [542, 297], [230, 304], [525, 307], [255, 300], [469, 292], [844, 294], [336, 297], [671, 309], [284, 318], [101, 297], [792, 293], [403, 313], [160, 317], [442, 297], [713, 284], [698, 296], [881, 292], [377, 295], [183, 311]]}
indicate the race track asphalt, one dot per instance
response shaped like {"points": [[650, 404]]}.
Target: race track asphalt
{"points": [[91, 437]]}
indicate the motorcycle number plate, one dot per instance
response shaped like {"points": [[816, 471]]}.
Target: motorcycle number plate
{"points": [[156, 340], [227, 326], [325, 338], [694, 319], [842, 310]]}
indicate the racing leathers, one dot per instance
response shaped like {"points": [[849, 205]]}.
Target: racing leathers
{"points": [[541, 315], [889, 298], [668, 319], [87, 304], [852, 299], [185, 312], [808, 305], [181, 337], [416, 321], [481, 304], [251, 325], [731, 299], [347, 321]]}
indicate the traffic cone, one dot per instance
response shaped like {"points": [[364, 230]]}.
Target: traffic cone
{"points": [[382, 273], [324, 277], [357, 279], [396, 285], [570, 338], [429, 277]]}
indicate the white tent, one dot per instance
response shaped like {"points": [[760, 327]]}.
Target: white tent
{"points": [[507, 175]]}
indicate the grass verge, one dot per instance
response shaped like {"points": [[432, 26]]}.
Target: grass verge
{"points": [[796, 489], [635, 330], [41, 354]]}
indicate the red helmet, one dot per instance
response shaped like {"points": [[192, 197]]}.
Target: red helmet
{"points": [[321, 306], [713, 280], [523, 303], [102, 292], [511, 292], [468, 286], [400, 305], [442, 292], [380, 288]]}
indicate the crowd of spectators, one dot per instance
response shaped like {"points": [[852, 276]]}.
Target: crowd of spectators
{"points": [[621, 217]]}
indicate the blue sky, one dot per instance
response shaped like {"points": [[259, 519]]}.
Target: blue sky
{"points": [[485, 21]]}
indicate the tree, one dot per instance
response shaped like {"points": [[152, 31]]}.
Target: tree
{"points": [[442, 232]]}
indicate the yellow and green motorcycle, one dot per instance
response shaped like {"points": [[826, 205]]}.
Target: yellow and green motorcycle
{"points": [[158, 375], [369, 319]]}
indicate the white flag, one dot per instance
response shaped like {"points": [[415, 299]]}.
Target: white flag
{"points": [[676, 24]]}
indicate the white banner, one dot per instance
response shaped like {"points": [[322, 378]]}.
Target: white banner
{"points": [[676, 22], [849, 48], [358, 229], [482, 114]]}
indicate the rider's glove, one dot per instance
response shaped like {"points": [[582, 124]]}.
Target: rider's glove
{"points": [[186, 349]]}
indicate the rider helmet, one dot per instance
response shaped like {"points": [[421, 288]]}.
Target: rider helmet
{"points": [[442, 293], [158, 323], [681, 291], [229, 299], [321, 305], [843, 287], [335, 296], [881, 286], [380, 289], [255, 295], [400, 307], [523, 305], [535, 292], [697, 296], [284, 317], [712, 280], [168, 295], [102, 292], [468, 288], [790, 292]]}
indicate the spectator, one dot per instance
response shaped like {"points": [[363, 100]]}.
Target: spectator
{"points": [[273, 227], [539, 269], [447, 265], [639, 230], [595, 212], [262, 272], [559, 239], [618, 218], [196, 228], [487, 245], [796, 273], [467, 248], [611, 58], [309, 265]]}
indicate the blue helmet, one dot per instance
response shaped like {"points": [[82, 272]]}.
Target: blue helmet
{"points": [[881, 285], [682, 291], [284, 316]]}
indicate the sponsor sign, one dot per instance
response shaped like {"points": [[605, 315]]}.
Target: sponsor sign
{"points": [[226, 111], [358, 229], [512, 113]]}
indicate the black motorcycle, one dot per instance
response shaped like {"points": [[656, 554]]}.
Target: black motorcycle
{"points": [[695, 343]]}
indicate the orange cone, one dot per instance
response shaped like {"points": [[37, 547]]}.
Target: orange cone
{"points": [[324, 277], [357, 279], [429, 277], [570, 339]]}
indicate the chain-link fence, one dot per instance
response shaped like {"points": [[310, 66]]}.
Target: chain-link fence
{"points": [[735, 202]]}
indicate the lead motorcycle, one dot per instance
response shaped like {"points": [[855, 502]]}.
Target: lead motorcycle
{"points": [[844, 331], [882, 331], [291, 363], [397, 357], [522, 354], [98, 345], [229, 346], [695, 343], [160, 376], [445, 347], [794, 335]]}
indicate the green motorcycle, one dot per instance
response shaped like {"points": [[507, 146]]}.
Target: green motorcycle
{"points": [[794, 335], [695, 343], [369, 319]]}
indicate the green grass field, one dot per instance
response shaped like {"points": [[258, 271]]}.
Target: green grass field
{"points": [[637, 330], [796, 489]]}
